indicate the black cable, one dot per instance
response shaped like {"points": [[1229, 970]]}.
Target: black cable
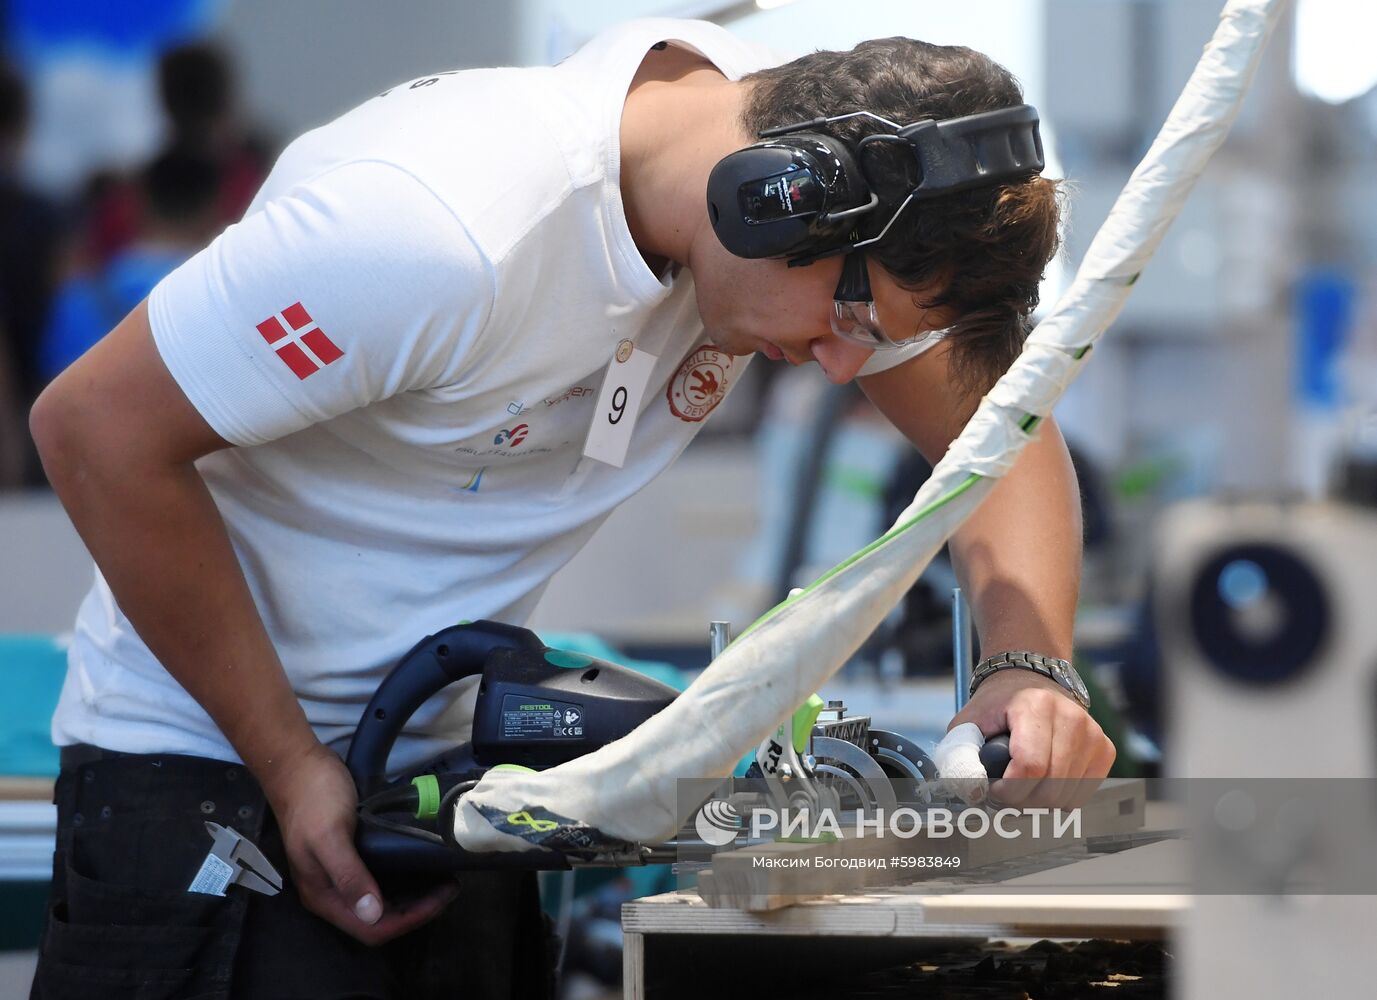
{"points": [[449, 805], [374, 820], [405, 797]]}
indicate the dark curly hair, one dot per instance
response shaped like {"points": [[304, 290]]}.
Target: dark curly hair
{"points": [[986, 249]]}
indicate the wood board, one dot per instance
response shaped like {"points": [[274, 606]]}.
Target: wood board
{"points": [[1024, 904], [932, 909]]}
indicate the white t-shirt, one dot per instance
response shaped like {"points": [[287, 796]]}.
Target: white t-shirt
{"points": [[405, 337]]}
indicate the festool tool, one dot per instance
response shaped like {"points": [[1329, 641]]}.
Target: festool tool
{"points": [[537, 707]]}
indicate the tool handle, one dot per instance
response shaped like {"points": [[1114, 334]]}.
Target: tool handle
{"points": [[995, 756], [432, 664], [388, 852]]}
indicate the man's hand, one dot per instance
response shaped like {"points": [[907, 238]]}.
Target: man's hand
{"points": [[316, 807], [1058, 753]]}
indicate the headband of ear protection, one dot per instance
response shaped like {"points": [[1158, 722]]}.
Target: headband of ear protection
{"points": [[802, 194]]}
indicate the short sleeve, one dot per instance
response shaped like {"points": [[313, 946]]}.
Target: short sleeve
{"points": [[348, 289]]}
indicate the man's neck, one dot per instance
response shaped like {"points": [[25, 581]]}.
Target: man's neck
{"points": [[680, 118]]}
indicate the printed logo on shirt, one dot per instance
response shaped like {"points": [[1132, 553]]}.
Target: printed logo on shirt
{"points": [[475, 481], [513, 437], [699, 384], [295, 338], [575, 392]]}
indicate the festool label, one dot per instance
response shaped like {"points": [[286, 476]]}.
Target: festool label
{"points": [[540, 720]]}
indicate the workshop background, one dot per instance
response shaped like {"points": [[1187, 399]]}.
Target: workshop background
{"points": [[1242, 372]]}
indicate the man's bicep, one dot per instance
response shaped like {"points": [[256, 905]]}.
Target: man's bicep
{"points": [[121, 398]]}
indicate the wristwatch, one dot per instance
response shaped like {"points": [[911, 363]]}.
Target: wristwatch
{"points": [[1058, 670]]}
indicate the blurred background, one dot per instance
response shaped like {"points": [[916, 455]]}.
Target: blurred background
{"points": [[1243, 370]]}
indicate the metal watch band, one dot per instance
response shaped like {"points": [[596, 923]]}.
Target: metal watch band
{"points": [[1060, 671]]}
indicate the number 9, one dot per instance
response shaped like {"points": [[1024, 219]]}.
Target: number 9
{"points": [[618, 405]]}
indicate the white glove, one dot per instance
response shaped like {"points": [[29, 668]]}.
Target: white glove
{"points": [[958, 763]]}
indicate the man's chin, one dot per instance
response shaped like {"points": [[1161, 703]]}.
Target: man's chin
{"points": [[726, 346]]}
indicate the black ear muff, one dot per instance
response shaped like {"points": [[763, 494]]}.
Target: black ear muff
{"points": [[785, 196], [802, 194]]}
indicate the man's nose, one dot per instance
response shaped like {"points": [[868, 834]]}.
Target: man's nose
{"points": [[839, 359]]}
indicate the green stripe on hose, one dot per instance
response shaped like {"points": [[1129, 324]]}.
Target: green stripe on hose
{"points": [[936, 505]]}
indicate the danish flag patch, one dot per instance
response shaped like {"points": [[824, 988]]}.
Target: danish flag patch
{"points": [[295, 338]]}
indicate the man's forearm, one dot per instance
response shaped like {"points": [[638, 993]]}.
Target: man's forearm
{"points": [[158, 538], [1019, 559], [1019, 555]]}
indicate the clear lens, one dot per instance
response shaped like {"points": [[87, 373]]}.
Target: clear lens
{"points": [[856, 321]]}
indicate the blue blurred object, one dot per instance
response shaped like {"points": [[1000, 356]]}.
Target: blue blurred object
{"points": [[32, 667], [1324, 311], [38, 28], [86, 307], [593, 645]]}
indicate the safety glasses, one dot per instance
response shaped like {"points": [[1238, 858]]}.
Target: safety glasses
{"points": [[853, 310]]}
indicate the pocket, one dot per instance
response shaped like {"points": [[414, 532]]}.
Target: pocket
{"points": [[132, 943], [63, 981], [132, 834], [93, 902]]}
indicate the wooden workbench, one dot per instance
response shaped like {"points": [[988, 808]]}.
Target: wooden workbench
{"points": [[676, 937]]}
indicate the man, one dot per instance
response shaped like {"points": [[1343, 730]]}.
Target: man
{"points": [[360, 416]]}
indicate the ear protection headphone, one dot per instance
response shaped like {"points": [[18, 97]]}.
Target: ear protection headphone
{"points": [[802, 195]]}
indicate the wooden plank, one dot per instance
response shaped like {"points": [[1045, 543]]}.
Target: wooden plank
{"points": [[1059, 914], [633, 966], [877, 914], [1013, 907], [1140, 888]]}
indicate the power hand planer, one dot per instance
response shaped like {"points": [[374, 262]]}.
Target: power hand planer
{"points": [[538, 707]]}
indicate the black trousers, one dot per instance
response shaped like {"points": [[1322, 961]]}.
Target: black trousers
{"points": [[130, 837]]}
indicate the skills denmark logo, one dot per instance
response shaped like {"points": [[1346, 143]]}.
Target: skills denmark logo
{"points": [[295, 338], [513, 437], [699, 384]]}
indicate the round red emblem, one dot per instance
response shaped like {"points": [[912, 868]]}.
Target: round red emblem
{"points": [[699, 384]]}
